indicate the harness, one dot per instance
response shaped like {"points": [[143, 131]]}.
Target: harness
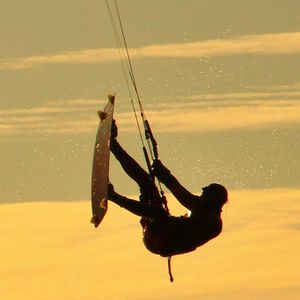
{"points": [[154, 242]]}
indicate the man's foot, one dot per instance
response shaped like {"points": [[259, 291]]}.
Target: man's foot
{"points": [[111, 192], [114, 129]]}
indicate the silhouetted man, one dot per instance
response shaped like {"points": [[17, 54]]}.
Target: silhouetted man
{"points": [[164, 234]]}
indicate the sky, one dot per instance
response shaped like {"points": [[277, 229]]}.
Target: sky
{"points": [[220, 84]]}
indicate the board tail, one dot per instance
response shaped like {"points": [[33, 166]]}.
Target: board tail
{"points": [[95, 220]]}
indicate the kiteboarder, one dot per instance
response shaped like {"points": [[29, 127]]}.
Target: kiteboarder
{"points": [[163, 233]]}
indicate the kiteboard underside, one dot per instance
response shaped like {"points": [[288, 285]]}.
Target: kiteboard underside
{"points": [[100, 171]]}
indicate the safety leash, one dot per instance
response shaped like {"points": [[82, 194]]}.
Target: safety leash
{"points": [[169, 269]]}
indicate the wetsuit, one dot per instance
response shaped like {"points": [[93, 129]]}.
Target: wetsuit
{"points": [[164, 234]]}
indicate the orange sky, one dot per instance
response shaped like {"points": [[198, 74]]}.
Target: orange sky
{"points": [[50, 251]]}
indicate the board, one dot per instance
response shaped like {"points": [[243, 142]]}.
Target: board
{"points": [[100, 170]]}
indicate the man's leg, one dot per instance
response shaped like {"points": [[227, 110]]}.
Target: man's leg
{"points": [[129, 165], [136, 172], [137, 207], [149, 192]]}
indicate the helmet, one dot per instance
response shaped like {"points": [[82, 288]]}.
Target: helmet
{"points": [[216, 191]]}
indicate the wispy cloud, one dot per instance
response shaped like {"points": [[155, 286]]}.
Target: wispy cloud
{"points": [[269, 44], [56, 117], [265, 44], [218, 118], [88, 56], [196, 113]]}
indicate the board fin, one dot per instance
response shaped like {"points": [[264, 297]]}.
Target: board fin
{"points": [[111, 99], [95, 220], [102, 115]]}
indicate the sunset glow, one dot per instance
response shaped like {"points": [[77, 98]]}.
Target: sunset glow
{"points": [[220, 85]]}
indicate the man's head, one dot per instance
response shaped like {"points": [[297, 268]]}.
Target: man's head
{"points": [[216, 194]]}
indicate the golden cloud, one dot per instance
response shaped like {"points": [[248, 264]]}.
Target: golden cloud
{"points": [[197, 113], [267, 44]]}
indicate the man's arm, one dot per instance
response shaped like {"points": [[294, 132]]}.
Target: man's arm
{"points": [[186, 198]]}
